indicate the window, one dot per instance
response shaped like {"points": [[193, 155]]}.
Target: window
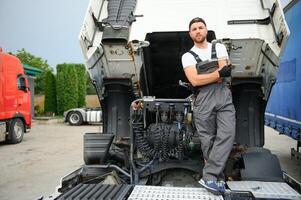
{"points": [[21, 82]]}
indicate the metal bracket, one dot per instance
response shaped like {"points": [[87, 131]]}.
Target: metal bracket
{"points": [[296, 154], [97, 23], [265, 21]]}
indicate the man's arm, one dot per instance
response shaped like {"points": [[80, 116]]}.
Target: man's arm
{"points": [[222, 62], [200, 79], [203, 79]]}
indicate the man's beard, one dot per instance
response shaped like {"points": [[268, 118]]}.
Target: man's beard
{"points": [[199, 40]]}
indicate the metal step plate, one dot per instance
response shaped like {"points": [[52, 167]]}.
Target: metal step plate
{"points": [[275, 190], [171, 193], [96, 192]]}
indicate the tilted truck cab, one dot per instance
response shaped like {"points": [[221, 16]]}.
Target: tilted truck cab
{"points": [[133, 51], [15, 113]]}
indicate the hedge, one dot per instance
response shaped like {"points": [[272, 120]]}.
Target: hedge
{"points": [[67, 89], [50, 93], [81, 84]]}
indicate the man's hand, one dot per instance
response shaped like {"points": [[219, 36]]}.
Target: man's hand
{"points": [[225, 71]]}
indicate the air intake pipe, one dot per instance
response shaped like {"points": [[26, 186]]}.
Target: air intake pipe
{"points": [[117, 24]]}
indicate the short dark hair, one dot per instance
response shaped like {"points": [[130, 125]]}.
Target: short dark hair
{"points": [[197, 19]]}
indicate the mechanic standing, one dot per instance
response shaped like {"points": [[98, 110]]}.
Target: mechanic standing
{"points": [[205, 66]]}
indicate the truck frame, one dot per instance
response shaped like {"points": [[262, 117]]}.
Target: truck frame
{"points": [[153, 152]]}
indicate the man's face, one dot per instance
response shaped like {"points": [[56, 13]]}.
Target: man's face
{"points": [[198, 32]]}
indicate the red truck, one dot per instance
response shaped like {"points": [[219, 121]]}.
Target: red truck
{"points": [[15, 115]]}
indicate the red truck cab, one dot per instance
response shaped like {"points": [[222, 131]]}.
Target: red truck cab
{"points": [[15, 114]]}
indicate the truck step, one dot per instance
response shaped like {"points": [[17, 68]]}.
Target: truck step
{"points": [[97, 192], [273, 190], [171, 193]]}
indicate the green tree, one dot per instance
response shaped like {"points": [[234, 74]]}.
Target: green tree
{"points": [[71, 88], [67, 88], [81, 84], [50, 93], [35, 61], [60, 81]]}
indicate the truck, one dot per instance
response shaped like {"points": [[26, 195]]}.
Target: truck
{"points": [[15, 112], [78, 116], [133, 54], [283, 109]]}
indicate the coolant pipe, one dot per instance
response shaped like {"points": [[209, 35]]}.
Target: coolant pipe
{"points": [[133, 176], [146, 166]]}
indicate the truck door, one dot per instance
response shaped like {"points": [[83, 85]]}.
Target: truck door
{"points": [[16, 96], [23, 97], [9, 80]]}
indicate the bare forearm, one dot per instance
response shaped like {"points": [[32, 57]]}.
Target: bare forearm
{"points": [[200, 79], [205, 79]]}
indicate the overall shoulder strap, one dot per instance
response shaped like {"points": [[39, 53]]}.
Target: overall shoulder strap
{"points": [[196, 57], [213, 50]]}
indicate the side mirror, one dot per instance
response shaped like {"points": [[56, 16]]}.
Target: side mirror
{"points": [[24, 88]]}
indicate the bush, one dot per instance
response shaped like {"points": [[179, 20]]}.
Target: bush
{"points": [[71, 86], [50, 93], [81, 84], [67, 87], [60, 79]]}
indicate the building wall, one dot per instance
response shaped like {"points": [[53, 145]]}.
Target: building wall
{"points": [[31, 86]]}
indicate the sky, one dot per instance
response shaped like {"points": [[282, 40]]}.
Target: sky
{"points": [[45, 28]]}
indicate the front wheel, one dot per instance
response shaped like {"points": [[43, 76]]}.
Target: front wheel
{"points": [[16, 131], [75, 118]]}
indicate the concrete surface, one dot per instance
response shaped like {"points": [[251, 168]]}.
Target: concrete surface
{"points": [[281, 146], [51, 150], [34, 167]]}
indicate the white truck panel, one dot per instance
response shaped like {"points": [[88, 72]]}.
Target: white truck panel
{"points": [[174, 15], [93, 116]]}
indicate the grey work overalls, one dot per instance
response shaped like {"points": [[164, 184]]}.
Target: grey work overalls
{"points": [[214, 117]]}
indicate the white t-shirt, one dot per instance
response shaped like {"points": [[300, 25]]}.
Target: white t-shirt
{"points": [[204, 54]]}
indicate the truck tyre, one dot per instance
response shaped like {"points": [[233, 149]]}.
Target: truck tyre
{"points": [[16, 131], [75, 118]]}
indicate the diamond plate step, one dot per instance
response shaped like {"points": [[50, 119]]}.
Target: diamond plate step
{"points": [[96, 192], [275, 190], [171, 193]]}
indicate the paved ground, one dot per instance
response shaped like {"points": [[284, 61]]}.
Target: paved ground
{"points": [[281, 146], [34, 167]]}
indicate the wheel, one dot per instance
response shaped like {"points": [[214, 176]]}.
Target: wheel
{"points": [[75, 118], [16, 131]]}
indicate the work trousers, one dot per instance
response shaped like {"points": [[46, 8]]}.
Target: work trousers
{"points": [[214, 117]]}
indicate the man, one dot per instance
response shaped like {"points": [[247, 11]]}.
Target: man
{"points": [[205, 66]]}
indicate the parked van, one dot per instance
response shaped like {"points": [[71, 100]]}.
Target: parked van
{"points": [[15, 116]]}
